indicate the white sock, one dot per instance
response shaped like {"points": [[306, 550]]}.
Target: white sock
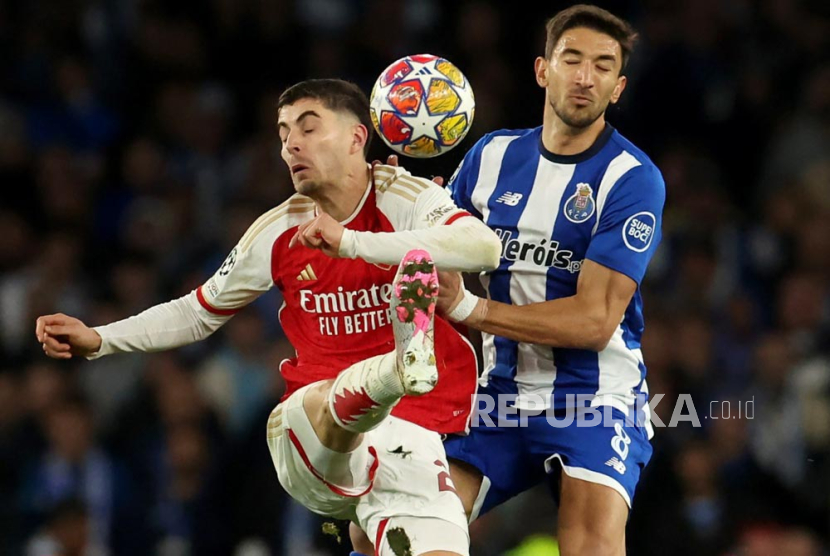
{"points": [[381, 379], [365, 393]]}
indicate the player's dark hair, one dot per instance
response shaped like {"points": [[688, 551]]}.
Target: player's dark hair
{"points": [[592, 17], [335, 94]]}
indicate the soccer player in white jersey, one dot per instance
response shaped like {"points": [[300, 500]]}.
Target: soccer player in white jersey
{"points": [[578, 210], [333, 250]]}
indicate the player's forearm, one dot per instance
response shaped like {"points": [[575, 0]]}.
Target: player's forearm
{"points": [[165, 326], [564, 323], [466, 245]]}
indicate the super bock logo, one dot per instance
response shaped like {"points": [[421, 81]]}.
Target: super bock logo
{"points": [[638, 231], [580, 206]]}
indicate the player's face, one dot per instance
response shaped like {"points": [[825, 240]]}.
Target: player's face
{"points": [[318, 144], [582, 76]]}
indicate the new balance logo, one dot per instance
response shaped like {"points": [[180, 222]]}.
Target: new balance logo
{"points": [[510, 199], [307, 273], [618, 466]]}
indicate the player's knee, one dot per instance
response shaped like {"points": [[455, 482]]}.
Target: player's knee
{"points": [[315, 403]]}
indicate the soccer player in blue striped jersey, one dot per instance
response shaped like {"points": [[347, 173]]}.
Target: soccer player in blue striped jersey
{"points": [[578, 210]]}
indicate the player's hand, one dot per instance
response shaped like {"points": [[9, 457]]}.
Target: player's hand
{"points": [[322, 232], [392, 160], [450, 291], [63, 336]]}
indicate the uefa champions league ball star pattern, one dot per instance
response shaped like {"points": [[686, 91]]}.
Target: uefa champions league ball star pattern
{"points": [[422, 106]]}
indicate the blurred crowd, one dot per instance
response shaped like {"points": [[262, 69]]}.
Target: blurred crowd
{"points": [[137, 143]]}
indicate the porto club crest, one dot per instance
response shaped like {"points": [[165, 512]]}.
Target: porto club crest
{"points": [[580, 206]]}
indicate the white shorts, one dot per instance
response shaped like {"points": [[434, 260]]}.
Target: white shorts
{"points": [[402, 475]]}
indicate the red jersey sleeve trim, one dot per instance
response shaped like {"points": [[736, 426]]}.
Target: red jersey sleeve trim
{"points": [[210, 308], [456, 216]]}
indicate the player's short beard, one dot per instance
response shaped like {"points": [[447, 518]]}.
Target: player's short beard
{"points": [[581, 120], [308, 187]]}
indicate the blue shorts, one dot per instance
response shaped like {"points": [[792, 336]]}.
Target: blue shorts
{"points": [[513, 458]]}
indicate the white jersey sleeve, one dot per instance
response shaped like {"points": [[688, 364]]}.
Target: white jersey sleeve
{"points": [[247, 271], [413, 203], [244, 275], [165, 326], [419, 211]]}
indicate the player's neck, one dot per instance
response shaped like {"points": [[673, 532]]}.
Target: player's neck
{"points": [[340, 202], [560, 138]]}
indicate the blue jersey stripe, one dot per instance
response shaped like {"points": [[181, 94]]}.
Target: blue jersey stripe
{"points": [[516, 177]]}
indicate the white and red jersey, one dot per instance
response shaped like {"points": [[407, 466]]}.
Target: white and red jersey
{"points": [[336, 311]]}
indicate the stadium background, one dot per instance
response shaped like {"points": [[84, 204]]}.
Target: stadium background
{"points": [[137, 142]]}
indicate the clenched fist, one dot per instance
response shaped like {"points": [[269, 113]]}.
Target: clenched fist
{"points": [[63, 336]]}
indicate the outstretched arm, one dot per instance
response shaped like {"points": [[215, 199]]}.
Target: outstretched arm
{"points": [[586, 320], [244, 275], [626, 235], [165, 326], [466, 245], [423, 215]]}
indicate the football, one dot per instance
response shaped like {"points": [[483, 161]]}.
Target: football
{"points": [[422, 106]]}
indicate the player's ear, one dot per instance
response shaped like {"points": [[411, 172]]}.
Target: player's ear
{"points": [[359, 137], [618, 90], [540, 67]]}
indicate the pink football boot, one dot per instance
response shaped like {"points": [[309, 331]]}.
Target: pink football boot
{"points": [[413, 312]]}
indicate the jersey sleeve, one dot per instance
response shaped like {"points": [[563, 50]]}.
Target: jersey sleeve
{"points": [[167, 325], [629, 226], [463, 181], [244, 275], [412, 203], [434, 207], [418, 211]]}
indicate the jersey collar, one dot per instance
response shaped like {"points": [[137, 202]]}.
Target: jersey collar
{"points": [[360, 204], [579, 157]]}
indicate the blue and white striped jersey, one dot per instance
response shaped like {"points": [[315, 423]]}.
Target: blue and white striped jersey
{"points": [[551, 213]]}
